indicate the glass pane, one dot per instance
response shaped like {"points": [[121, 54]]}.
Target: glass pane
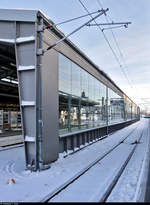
{"points": [[63, 113], [91, 87], [64, 74], [96, 103], [76, 84], [75, 114], [102, 97], [84, 84], [84, 114], [91, 114], [116, 107]]}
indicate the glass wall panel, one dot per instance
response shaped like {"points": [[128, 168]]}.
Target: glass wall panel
{"points": [[103, 103], [75, 114], [82, 100], [115, 107], [76, 80], [96, 103], [64, 74], [91, 114], [91, 87], [84, 84], [84, 120], [63, 113], [128, 109]]}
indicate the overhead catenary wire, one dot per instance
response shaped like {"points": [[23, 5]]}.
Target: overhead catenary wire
{"points": [[121, 54], [112, 32], [118, 61], [132, 85], [117, 45]]}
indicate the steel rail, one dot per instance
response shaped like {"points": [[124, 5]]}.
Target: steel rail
{"points": [[83, 171], [120, 172]]}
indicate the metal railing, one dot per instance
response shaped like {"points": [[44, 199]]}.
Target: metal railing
{"points": [[71, 142]]}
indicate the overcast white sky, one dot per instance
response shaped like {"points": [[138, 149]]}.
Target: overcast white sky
{"points": [[134, 42]]}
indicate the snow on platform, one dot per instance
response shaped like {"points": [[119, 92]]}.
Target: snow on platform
{"points": [[10, 140], [35, 186]]}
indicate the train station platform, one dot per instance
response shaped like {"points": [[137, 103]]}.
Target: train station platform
{"points": [[10, 138]]}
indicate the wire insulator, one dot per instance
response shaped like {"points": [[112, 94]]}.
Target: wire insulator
{"points": [[50, 47], [49, 27]]}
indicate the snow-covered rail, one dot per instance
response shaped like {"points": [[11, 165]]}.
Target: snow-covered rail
{"points": [[88, 175], [89, 184]]}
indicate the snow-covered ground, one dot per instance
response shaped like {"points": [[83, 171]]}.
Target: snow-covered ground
{"points": [[132, 184], [10, 140], [35, 186], [94, 184]]}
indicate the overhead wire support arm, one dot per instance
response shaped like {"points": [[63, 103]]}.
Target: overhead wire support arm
{"points": [[103, 11], [114, 27], [108, 24], [73, 19], [121, 24], [67, 21]]}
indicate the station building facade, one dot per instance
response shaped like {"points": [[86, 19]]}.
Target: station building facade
{"points": [[66, 101]]}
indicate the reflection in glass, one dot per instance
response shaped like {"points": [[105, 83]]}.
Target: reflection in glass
{"points": [[75, 114], [75, 80], [83, 101], [63, 113], [84, 84], [84, 114], [115, 107], [64, 74]]}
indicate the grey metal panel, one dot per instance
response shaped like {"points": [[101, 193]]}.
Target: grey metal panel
{"points": [[30, 122], [50, 139], [27, 85], [25, 28], [18, 15], [25, 57], [26, 53], [30, 149], [7, 30], [61, 145]]}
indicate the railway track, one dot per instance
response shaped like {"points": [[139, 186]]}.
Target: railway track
{"points": [[12, 146], [83, 179]]}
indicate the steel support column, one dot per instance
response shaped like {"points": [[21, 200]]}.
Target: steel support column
{"points": [[37, 83]]}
